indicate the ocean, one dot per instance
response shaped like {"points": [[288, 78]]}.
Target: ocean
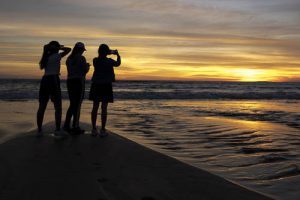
{"points": [[19, 89], [248, 133]]}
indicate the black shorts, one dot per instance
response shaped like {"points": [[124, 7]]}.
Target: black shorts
{"points": [[101, 92], [50, 88]]}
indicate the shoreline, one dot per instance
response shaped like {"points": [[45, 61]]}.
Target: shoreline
{"points": [[103, 168]]}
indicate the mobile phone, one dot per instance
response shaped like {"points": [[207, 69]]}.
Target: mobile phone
{"points": [[113, 52]]}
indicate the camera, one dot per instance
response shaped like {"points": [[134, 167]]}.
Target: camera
{"points": [[113, 52]]}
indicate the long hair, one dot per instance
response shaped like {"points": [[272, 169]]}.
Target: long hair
{"points": [[75, 51], [44, 60], [49, 49]]}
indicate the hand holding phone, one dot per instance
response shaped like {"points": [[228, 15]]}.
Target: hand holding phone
{"points": [[114, 52]]}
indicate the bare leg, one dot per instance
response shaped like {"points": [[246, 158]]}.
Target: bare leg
{"points": [[79, 105], [94, 114], [76, 110], [68, 117], [40, 115], [76, 123], [58, 108], [104, 114]]}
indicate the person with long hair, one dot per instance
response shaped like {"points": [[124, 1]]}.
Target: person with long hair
{"points": [[50, 84], [77, 69], [101, 88]]}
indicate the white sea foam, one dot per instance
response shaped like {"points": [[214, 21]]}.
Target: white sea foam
{"points": [[247, 132], [28, 89]]}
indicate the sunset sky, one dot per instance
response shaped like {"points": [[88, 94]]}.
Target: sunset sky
{"points": [[231, 40]]}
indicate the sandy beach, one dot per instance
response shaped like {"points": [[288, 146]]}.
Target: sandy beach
{"points": [[201, 99], [85, 167]]}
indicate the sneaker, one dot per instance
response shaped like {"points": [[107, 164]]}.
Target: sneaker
{"points": [[103, 133], [95, 132], [76, 131], [60, 134]]}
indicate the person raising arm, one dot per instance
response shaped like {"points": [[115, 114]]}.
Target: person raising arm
{"points": [[50, 84], [102, 88]]}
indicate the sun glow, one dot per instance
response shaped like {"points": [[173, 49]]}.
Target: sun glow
{"points": [[251, 75], [212, 41]]}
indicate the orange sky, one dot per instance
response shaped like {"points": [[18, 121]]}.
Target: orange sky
{"points": [[232, 40]]}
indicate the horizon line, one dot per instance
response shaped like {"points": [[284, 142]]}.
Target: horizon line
{"points": [[178, 80]]}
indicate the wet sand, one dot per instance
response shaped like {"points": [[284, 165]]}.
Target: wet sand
{"points": [[86, 167]]}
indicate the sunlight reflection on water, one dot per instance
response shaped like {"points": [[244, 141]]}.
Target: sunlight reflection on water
{"points": [[255, 143]]}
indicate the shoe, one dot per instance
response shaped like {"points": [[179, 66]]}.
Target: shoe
{"points": [[95, 132], [60, 134], [67, 129], [103, 133], [39, 134], [76, 131]]}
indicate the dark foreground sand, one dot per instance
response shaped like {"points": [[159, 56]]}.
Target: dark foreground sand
{"points": [[89, 168]]}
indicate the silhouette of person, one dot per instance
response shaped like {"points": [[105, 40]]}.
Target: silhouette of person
{"points": [[50, 84], [101, 88], [77, 69]]}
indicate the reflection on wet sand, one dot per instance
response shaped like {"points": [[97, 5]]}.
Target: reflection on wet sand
{"points": [[255, 143], [248, 142]]}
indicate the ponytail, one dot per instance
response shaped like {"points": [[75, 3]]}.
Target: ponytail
{"points": [[44, 60], [49, 49]]}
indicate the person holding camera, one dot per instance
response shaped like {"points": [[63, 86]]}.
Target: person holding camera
{"points": [[77, 69], [50, 84], [101, 88]]}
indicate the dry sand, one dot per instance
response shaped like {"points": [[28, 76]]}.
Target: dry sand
{"points": [[89, 168]]}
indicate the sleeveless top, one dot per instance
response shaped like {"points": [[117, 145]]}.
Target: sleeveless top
{"points": [[53, 65]]}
